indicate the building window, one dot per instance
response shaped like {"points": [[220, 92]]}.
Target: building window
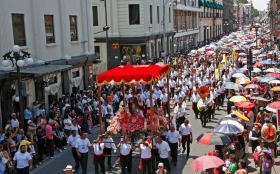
{"points": [[134, 14], [18, 29], [97, 49], [169, 13], [95, 15], [151, 14], [158, 14], [75, 73], [73, 28], [49, 28], [52, 80]]}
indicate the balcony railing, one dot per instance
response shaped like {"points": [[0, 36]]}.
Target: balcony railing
{"points": [[192, 3]]}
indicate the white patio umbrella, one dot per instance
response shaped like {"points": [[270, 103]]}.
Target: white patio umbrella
{"points": [[271, 70], [274, 82], [237, 75], [233, 122]]}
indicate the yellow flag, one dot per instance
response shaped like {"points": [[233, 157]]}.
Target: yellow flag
{"points": [[220, 66], [179, 60], [217, 73], [175, 62], [224, 59], [233, 54]]}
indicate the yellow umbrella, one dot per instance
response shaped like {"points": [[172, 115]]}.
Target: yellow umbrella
{"points": [[237, 99], [243, 81], [238, 114], [275, 88]]}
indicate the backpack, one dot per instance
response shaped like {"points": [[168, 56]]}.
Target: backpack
{"points": [[269, 132]]}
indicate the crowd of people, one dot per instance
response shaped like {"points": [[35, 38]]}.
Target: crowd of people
{"points": [[205, 77]]}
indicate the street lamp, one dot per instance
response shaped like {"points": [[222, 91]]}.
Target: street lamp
{"points": [[225, 25], [17, 58], [205, 26], [256, 27]]}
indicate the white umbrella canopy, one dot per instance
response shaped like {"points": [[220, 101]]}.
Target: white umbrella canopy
{"points": [[233, 122], [236, 75], [274, 82], [271, 70]]}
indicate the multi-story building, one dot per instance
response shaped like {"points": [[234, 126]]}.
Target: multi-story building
{"points": [[186, 26], [136, 30], [58, 34], [210, 19], [228, 17]]}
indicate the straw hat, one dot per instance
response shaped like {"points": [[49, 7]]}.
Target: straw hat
{"points": [[68, 167]]}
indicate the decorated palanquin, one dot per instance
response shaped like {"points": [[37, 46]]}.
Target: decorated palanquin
{"points": [[134, 121]]}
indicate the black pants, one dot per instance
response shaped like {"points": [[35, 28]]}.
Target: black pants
{"points": [[50, 149], [165, 163], [40, 145], [24, 170], [125, 162], [83, 161], [108, 151], [156, 156], [76, 158], [99, 161], [195, 110], [203, 117], [172, 92], [147, 164], [210, 112], [186, 139], [180, 121], [174, 151]]}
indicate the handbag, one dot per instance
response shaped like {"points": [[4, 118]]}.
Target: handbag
{"points": [[4, 160]]}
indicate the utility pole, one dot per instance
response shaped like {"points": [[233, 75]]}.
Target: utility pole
{"points": [[164, 31], [106, 26]]}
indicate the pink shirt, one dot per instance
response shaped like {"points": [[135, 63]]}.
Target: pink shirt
{"points": [[49, 132]]}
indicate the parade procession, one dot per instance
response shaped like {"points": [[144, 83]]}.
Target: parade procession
{"points": [[230, 84], [140, 87]]}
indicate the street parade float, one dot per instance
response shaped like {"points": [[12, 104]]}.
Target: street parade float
{"points": [[132, 118]]}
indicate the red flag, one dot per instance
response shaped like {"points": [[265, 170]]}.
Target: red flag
{"points": [[140, 164]]}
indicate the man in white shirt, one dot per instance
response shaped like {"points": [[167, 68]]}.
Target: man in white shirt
{"points": [[164, 152], [98, 158], [157, 93], [72, 145], [22, 161], [82, 147], [195, 99], [164, 101], [145, 149], [173, 137], [14, 121], [172, 84], [125, 147], [186, 132], [108, 146], [180, 114]]}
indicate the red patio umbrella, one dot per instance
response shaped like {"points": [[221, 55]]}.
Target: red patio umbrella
{"points": [[252, 86], [257, 64], [229, 44], [272, 107], [213, 138], [206, 162], [276, 75], [244, 104]]}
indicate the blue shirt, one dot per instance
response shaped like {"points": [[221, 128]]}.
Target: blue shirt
{"points": [[27, 114]]}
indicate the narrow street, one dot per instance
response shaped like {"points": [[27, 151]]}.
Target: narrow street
{"points": [[65, 158]]}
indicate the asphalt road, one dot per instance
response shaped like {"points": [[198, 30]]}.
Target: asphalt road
{"points": [[56, 166]]}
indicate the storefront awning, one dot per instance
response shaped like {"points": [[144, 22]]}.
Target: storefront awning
{"points": [[39, 70], [200, 3], [205, 3], [211, 4], [216, 5]]}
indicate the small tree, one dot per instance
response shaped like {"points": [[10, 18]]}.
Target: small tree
{"points": [[255, 13]]}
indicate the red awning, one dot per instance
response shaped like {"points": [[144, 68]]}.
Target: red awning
{"points": [[133, 73]]}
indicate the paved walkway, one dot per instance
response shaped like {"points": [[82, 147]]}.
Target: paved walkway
{"points": [[55, 166]]}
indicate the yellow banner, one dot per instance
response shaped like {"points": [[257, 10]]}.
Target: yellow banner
{"points": [[175, 62], [220, 66], [217, 73], [224, 59], [233, 54]]}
